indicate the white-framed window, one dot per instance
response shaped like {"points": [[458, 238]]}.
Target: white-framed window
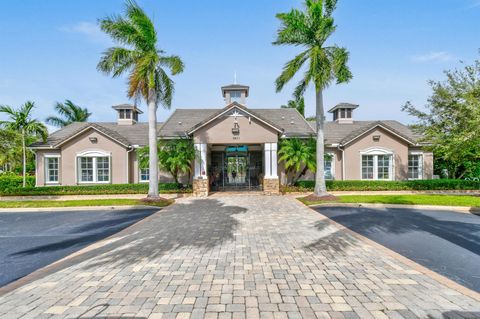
{"points": [[93, 167], [52, 169], [328, 167], [415, 166], [377, 164], [144, 175]]}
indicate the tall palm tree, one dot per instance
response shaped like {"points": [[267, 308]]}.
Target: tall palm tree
{"points": [[145, 64], [20, 120], [310, 29], [298, 104], [69, 113]]}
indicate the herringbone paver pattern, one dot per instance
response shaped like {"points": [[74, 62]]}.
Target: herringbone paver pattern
{"points": [[237, 257]]}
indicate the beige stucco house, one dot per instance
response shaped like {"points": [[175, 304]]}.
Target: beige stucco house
{"points": [[236, 147]]}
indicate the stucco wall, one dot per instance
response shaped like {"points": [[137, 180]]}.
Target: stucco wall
{"points": [[82, 143], [388, 142], [220, 132], [40, 165]]}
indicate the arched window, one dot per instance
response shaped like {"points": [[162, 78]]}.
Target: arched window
{"points": [[377, 164], [93, 166]]}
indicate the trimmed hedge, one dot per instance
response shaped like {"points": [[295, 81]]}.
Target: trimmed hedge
{"points": [[432, 184], [14, 181], [93, 189]]}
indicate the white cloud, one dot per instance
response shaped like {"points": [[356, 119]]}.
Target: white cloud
{"points": [[433, 57], [89, 30]]}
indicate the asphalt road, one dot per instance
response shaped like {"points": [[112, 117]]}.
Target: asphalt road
{"points": [[29, 241], [446, 242]]}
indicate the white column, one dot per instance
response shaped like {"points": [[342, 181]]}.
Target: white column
{"points": [[274, 161], [268, 160], [200, 160]]}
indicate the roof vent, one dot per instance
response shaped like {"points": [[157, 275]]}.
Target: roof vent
{"points": [[127, 114], [235, 93], [343, 113]]}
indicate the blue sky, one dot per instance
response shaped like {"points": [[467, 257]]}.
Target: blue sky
{"points": [[49, 51]]}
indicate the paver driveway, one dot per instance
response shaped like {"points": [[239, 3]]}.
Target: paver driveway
{"points": [[243, 256]]}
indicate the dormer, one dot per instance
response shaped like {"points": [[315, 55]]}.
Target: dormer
{"points": [[127, 114], [343, 113], [235, 93]]}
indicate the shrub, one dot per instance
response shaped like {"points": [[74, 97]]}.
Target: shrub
{"points": [[10, 181], [93, 189], [433, 184]]}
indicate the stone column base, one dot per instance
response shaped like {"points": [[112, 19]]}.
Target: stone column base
{"points": [[271, 186], [200, 187]]}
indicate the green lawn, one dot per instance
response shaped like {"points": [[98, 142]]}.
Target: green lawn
{"points": [[441, 200], [78, 203]]}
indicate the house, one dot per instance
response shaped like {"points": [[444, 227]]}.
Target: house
{"points": [[236, 147]]}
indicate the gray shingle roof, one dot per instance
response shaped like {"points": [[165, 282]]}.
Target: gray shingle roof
{"points": [[183, 120], [336, 133], [136, 134]]}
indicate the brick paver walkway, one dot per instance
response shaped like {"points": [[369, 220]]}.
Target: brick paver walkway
{"points": [[239, 256]]}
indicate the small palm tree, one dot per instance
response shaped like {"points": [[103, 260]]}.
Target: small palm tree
{"points": [[175, 156], [311, 29], [69, 113], [145, 64], [20, 120], [298, 156], [298, 104]]}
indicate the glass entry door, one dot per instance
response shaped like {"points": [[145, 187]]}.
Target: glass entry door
{"points": [[236, 170]]}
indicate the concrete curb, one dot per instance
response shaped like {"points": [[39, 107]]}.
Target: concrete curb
{"points": [[88, 197], [410, 263], [71, 259], [459, 209], [72, 209]]}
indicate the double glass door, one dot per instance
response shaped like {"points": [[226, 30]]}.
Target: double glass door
{"points": [[235, 170]]}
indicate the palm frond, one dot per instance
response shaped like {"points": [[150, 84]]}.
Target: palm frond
{"points": [[56, 121], [173, 62], [290, 69]]}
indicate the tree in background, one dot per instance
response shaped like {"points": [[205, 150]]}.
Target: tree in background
{"points": [[146, 65], [69, 113], [174, 156], [298, 104], [20, 120], [298, 156], [310, 29], [451, 123]]}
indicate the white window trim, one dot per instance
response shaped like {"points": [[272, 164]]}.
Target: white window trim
{"points": [[140, 176], [94, 154], [420, 165], [45, 166], [375, 152], [333, 165]]}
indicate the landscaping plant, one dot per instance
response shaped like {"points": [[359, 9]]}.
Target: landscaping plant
{"points": [[146, 65], [324, 63]]}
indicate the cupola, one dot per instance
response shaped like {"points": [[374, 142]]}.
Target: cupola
{"points": [[127, 114], [343, 113], [235, 93]]}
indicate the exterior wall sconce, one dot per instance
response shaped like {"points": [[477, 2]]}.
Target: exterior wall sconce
{"points": [[236, 128], [93, 140], [376, 138]]}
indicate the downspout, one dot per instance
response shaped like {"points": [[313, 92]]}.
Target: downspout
{"points": [[131, 148], [340, 148]]}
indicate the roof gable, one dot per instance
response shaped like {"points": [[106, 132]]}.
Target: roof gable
{"points": [[231, 107]]}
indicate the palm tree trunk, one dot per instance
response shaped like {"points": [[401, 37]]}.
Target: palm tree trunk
{"points": [[152, 144], [24, 159], [320, 187]]}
